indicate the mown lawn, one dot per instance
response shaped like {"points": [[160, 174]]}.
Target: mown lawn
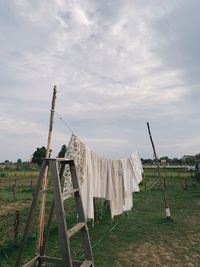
{"points": [[142, 237]]}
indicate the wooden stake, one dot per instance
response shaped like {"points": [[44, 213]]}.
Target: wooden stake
{"points": [[45, 181], [145, 185], [16, 225], [167, 210], [14, 192], [186, 184]]}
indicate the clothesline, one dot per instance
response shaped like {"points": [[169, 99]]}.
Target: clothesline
{"points": [[64, 122], [113, 180]]}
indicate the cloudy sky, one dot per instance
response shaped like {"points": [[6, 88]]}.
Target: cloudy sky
{"points": [[117, 64]]}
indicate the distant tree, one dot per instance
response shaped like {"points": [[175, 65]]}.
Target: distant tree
{"points": [[6, 161], [62, 152], [19, 162], [197, 156], [176, 161], [38, 155], [147, 161]]}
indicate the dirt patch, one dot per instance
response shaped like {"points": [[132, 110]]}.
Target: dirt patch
{"points": [[198, 203], [7, 208], [192, 220], [157, 255]]}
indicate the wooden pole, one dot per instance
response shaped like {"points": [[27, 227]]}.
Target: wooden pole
{"points": [[45, 181], [167, 210], [14, 192], [186, 184], [16, 225], [30, 215], [50, 217]]}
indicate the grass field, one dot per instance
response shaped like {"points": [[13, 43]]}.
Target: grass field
{"points": [[141, 237]]}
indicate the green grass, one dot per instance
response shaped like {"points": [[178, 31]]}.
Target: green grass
{"points": [[141, 237]]}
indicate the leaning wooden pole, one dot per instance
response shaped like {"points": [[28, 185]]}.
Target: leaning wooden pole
{"points": [[45, 180], [30, 215], [167, 210]]}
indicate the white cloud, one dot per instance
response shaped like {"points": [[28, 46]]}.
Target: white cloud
{"points": [[117, 64]]}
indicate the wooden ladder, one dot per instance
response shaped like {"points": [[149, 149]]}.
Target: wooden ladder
{"points": [[57, 167]]}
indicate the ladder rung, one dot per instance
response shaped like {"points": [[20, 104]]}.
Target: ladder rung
{"points": [[66, 194], [75, 229], [50, 260], [61, 160], [30, 263], [46, 190], [86, 263], [79, 263]]}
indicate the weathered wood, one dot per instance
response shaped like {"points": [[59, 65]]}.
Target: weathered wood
{"points": [[66, 194], [58, 206], [46, 234], [95, 210], [75, 229], [16, 225], [30, 216], [159, 172], [50, 260], [86, 263], [59, 210], [45, 183], [31, 263], [48, 227], [86, 244], [46, 190], [14, 192]]}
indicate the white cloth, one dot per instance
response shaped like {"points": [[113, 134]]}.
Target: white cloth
{"points": [[129, 181], [113, 180]]}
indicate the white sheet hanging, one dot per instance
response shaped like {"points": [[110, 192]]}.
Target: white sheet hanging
{"points": [[113, 180]]}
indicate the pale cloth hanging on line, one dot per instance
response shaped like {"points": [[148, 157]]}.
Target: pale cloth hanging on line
{"points": [[113, 180]]}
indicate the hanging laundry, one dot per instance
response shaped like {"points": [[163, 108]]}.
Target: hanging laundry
{"points": [[113, 180]]}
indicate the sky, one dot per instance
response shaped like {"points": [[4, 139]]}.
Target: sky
{"points": [[117, 65]]}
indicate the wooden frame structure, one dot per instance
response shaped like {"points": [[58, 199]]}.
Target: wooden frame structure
{"points": [[57, 167]]}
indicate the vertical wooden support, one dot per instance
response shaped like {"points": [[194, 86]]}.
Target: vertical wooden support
{"points": [[14, 192], [30, 216], [45, 182], [58, 206], [95, 210], [164, 183], [51, 212], [186, 184], [79, 206], [167, 210], [59, 209], [16, 225]]}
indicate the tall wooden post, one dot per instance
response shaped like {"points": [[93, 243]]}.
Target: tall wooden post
{"points": [[16, 225], [167, 210], [45, 180]]}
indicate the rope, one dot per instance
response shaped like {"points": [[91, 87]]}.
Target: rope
{"points": [[153, 184], [102, 238], [64, 122]]}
